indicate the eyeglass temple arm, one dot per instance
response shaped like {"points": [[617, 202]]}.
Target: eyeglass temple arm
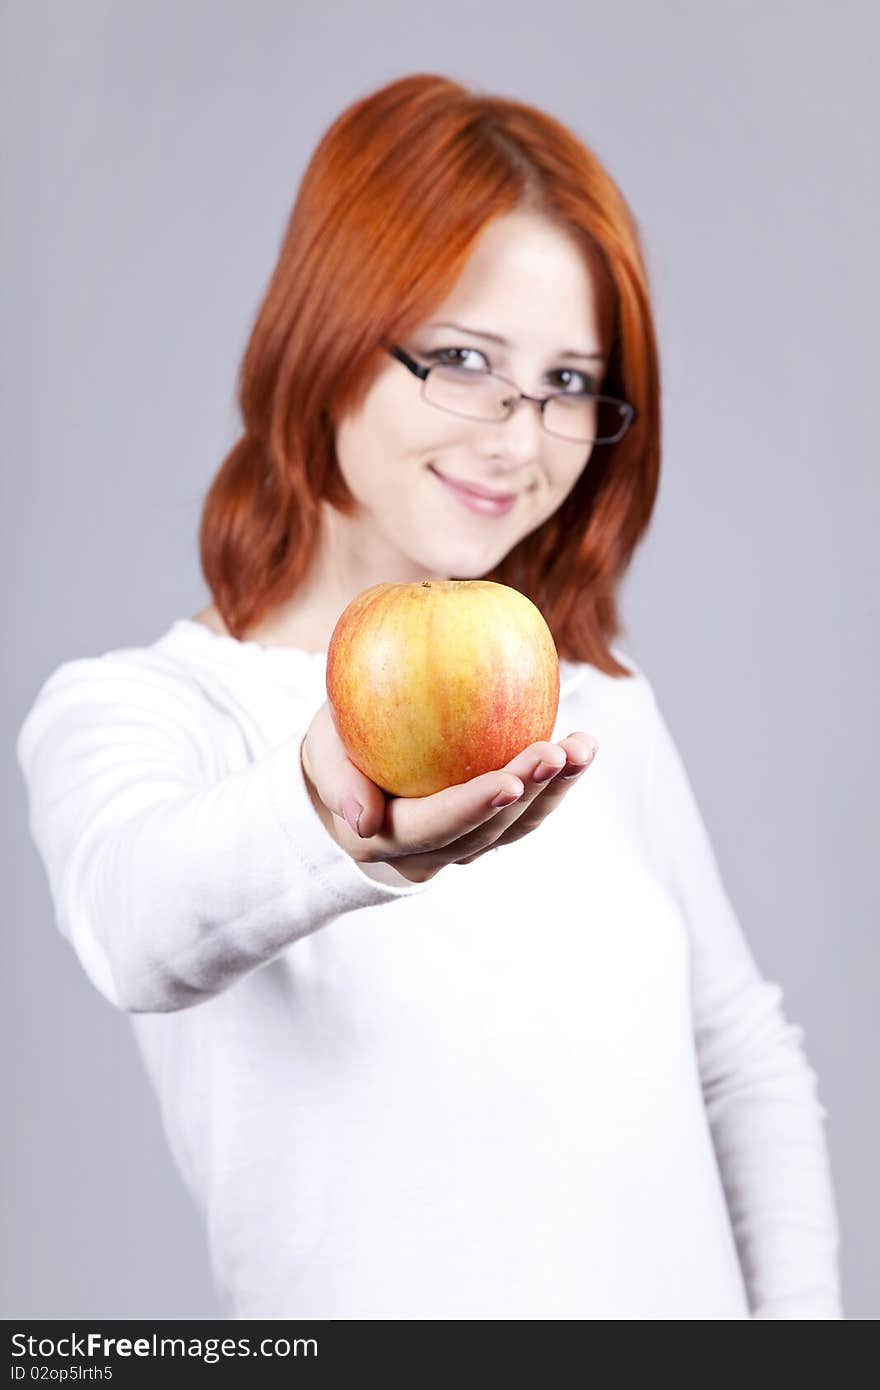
{"points": [[415, 367]]}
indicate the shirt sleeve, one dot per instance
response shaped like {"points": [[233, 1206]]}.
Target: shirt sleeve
{"points": [[760, 1093], [169, 882]]}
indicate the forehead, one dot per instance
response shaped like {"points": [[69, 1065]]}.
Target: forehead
{"points": [[527, 280]]}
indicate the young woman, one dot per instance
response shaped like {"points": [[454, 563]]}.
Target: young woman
{"points": [[499, 1052]]}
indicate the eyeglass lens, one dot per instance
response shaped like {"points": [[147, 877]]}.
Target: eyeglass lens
{"points": [[482, 396]]}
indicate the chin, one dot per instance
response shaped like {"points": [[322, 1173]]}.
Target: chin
{"points": [[458, 566]]}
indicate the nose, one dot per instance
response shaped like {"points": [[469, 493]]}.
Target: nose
{"points": [[520, 435]]}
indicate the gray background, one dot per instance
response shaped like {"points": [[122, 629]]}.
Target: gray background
{"points": [[151, 155]]}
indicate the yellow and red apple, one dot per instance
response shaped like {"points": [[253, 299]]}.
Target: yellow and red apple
{"points": [[435, 682]]}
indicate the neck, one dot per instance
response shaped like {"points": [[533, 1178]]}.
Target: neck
{"points": [[350, 556]]}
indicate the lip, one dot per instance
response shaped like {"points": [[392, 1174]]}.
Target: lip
{"points": [[477, 499]]}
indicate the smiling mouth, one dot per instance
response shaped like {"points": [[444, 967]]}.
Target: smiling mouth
{"points": [[474, 489], [493, 506]]}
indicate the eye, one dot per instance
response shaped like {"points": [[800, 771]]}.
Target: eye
{"points": [[584, 384], [580, 382], [445, 355]]}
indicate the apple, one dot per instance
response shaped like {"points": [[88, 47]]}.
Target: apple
{"points": [[435, 682]]}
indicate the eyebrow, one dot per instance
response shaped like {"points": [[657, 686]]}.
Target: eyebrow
{"points": [[502, 342]]}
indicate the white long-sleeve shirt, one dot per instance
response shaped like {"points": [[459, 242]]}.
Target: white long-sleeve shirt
{"points": [[548, 1084]]}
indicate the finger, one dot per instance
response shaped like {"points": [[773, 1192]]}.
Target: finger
{"points": [[536, 808], [535, 762], [416, 832], [580, 756], [581, 749], [421, 824], [415, 825], [529, 814]]}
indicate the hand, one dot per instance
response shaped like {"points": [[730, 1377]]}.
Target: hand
{"points": [[421, 835]]}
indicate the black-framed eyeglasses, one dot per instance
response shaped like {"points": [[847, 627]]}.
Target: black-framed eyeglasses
{"points": [[582, 417]]}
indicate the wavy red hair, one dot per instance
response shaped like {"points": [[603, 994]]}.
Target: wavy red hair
{"points": [[396, 193]]}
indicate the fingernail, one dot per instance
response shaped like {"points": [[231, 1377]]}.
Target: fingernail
{"points": [[506, 798], [352, 810], [544, 771], [576, 771]]}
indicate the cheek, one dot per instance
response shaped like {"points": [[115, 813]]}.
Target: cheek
{"points": [[366, 451], [567, 475], [386, 439]]}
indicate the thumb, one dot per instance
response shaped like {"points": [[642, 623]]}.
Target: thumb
{"points": [[360, 801], [343, 788]]}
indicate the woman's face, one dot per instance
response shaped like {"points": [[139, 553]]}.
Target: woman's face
{"points": [[525, 282]]}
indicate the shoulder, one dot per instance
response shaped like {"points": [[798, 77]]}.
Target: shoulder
{"points": [[617, 710], [144, 675], [117, 689], [627, 699]]}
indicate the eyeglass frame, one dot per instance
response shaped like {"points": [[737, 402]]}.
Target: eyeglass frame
{"points": [[422, 372]]}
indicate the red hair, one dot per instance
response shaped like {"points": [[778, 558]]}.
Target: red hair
{"points": [[396, 193]]}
